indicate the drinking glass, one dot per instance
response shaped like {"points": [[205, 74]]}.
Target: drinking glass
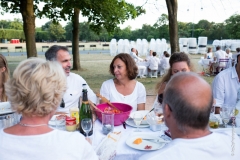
{"points": [[226, 113], [137, 118], [86, 125], [107, 123]]}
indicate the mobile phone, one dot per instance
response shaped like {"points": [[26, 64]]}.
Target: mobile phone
{"points": [[168, 133]]}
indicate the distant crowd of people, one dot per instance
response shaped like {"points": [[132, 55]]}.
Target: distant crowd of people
{"points": [[38, 86]]}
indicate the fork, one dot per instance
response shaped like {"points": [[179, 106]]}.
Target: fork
{"points": [[155, 140]]}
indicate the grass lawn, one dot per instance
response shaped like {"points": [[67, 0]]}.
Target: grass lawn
{"points": [[95, 70]]}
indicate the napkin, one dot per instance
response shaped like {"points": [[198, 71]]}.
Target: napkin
{"points": [[106, 150]]}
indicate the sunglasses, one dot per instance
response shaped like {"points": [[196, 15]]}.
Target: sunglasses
{"points": [[160, 98]]}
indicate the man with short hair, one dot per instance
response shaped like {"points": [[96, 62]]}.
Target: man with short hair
{"points": [[226, 85], [74, 81], [141, 68], [187, 101]]}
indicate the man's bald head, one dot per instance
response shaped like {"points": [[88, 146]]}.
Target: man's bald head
{"points": [[190, 99]]}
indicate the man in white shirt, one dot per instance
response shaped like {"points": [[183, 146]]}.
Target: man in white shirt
{"points": [[141, 68], [153, 62], [219, 54], [187, 119], [226, 85], [135, 56], [74, 81]]}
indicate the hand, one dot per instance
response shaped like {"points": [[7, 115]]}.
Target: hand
{"points": [[89, 140]]}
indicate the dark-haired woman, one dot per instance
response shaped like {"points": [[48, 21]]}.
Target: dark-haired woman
{"points": [[124, 87]]}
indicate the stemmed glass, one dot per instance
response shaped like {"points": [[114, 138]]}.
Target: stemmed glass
{"points": [[226, 113], [137, 118], [86, 125]]}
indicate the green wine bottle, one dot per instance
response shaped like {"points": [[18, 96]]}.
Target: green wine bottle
{"points": [[85, 111]]}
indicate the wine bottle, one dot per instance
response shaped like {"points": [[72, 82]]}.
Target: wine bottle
{"points": [[85, 111]]}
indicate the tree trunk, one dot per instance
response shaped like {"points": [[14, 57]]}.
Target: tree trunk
{"points": [[172, 6], [75, 40], [26, 9]]}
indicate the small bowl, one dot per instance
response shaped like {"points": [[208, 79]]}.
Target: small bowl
{"points": [[144, 113], [118, 118]]}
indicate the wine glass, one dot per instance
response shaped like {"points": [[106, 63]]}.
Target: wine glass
{"points": [[137, 118], [86, 125], [226, 113]]}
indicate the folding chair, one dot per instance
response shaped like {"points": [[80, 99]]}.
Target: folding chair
{"points": [[222, 64]]}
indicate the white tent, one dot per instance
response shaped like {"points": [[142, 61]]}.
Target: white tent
{"points": [[144, 47], [139, 47], [120, 46], [192, 45], [202, 44], [113, 47], [126, 46]]}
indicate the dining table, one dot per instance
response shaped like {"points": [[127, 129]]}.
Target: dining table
{"points": [[125, 151]]}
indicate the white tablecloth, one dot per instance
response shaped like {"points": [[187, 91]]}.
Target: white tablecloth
{"points": [[123, 150], [126, 152]]}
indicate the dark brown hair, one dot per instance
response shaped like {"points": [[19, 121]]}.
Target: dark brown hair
{"points": [[5, 76], [175, 57], [132, 69]]}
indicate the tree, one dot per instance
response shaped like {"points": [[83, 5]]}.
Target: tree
{"points": [[56, 32], [233, 27], [16, 24], [107, 13], [27, 8], [172, 6]]}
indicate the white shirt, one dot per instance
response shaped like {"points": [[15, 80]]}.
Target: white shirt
{"points": [[229, 55], [135, 57], [209, 55], [148, 57], [138, 96], [216, 146], [220, 54], [165, 63], [153, 63], [59, 145], [74, 92], [225, 87]]}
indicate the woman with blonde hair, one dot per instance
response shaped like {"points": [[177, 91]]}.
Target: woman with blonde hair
{"points": [[4, 75], [35, 91]]}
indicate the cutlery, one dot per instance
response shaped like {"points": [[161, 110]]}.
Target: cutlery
{"points": [[106, 100], [147, 113], [155, 140], [93, 105]]}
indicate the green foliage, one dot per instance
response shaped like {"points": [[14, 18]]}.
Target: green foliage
{"points": [[42, 36], [233, 27], [56, 32], [100, 13], [12, 34]]}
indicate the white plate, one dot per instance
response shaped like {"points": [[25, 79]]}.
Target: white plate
{"points": [[141, 146], [131, 123], [143, 112]]}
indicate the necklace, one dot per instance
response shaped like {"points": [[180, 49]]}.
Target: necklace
{"points": [[31, 125]]}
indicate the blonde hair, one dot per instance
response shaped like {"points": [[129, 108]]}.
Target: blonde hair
{"points": [[37, 87], [5, 76]]}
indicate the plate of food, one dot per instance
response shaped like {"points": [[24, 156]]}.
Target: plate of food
{"points": [[144, 114], [145, 142]]}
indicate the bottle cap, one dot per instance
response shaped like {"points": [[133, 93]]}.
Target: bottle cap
{"points": [[84, 86]]}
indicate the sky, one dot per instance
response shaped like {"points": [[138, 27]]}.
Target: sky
{"points": [[188, 11]]}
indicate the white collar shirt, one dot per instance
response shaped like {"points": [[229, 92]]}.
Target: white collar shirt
{"points": [[225, 87]]}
